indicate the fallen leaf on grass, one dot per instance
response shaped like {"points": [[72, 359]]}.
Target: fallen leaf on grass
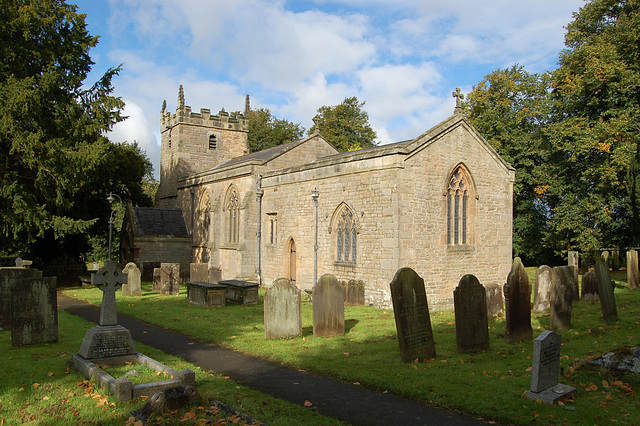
{"points": [[592, 388], [308, 404]]}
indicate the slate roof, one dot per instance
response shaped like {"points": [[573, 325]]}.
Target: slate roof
{"points": [[154, 221]]}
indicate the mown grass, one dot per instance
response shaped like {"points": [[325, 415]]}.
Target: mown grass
{"points": [[489, 385], [39, 386]]}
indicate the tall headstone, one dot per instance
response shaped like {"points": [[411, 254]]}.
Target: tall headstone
{"points": [[34, 311], [157, 280], [108, 339], [470, 304], [199, 272], [615, 259], [546, 370], [590, 286], [328, 307], [495, 304], [411, 312], [604, 257], [8, 280], [573, 260], [605, 289], [282, 313], [542, 292], [561, 297], [170, 279], [517, 296], [632, 269], [133, 285]]}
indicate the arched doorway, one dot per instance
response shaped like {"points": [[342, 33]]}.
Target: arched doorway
{"points": [[293, 270]]}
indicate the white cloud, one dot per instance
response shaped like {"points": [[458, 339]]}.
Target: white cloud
{"points": [[136, 128]]}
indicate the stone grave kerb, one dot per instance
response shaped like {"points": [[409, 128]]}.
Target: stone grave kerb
{"points": [[109, 280]]}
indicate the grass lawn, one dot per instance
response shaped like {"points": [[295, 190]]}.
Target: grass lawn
{"points": [[490, 384], [39, 386]]}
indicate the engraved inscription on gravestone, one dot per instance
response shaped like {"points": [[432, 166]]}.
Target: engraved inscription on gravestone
{"points": [[411, 311]]}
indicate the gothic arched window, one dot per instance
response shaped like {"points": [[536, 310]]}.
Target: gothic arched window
{"points": [[233, 216], [346, 236], [458, 194]]}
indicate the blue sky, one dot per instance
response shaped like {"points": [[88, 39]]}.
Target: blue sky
{"points": [[402, 57]]}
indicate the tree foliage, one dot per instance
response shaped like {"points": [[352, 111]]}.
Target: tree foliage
{"points": [[57, 166], [345, 126], [511, 110], [266, 131], [596, 126]]}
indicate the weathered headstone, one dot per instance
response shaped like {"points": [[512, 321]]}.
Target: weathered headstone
{"points": [[470, 304], [328, 307], [542, 293], [34, 312], [411, 312], [615, 259], [170, 279], [573, 260], [282, 312], [605, 289], [353, 292], [590, 286], [546, 370], [604, 257], [632, 269], [108, 339], [495, 304], [8, 279], [517, 296], [561, 297], [157, 280], [199, 272], [133, 284]]}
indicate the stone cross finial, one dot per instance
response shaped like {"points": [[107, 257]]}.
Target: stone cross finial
{"points": [[459, 97], [109, 279], [247, 106]]}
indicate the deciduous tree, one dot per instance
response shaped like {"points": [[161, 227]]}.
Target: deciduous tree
{"points": [[266, 131], [346, 125]]}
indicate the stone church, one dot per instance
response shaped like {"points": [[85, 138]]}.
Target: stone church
{"points": [[440, 203]]}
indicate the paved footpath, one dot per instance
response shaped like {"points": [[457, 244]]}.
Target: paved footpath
{"points": [[349, 403]]}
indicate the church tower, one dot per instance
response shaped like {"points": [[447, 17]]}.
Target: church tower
{"points": [[194, 142]]}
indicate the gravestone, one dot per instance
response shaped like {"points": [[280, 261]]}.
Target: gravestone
{"points": [[328, 307], [411, 312], [133, 285], [282, 312], [470, 304], [615, 259], [199, 272], [632, 269], [495, 304], [605, 289], [546, 370], [108, 339], [8, 279], [34, 311], [353, 292], [517, 298], [604, 257], [542, 294], [561, 297], [157, 280], [573, 260], [590, 286], [148, 270], [170, 279]]}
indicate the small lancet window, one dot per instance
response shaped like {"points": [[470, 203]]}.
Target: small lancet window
{"points": [[233, 219], [213, 142], [457, 208]]}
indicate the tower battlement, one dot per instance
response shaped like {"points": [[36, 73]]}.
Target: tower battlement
{"points": [[223, 120]]}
